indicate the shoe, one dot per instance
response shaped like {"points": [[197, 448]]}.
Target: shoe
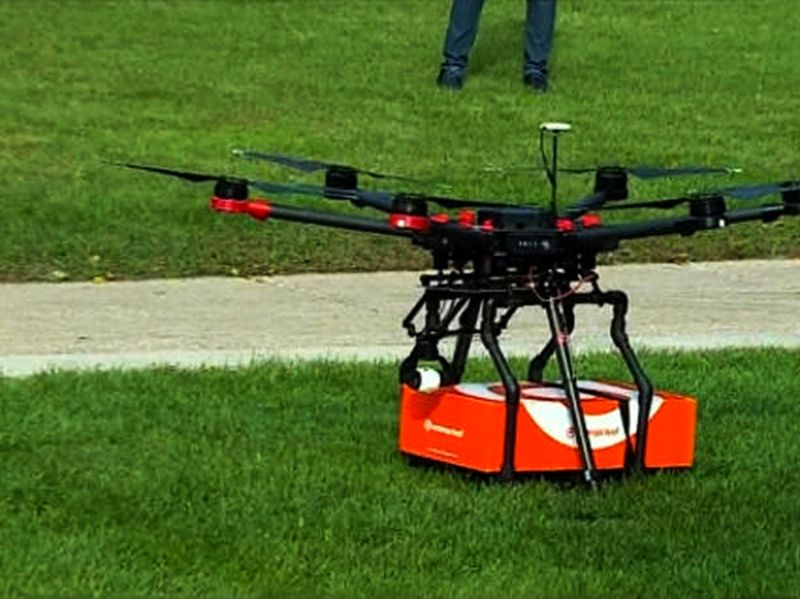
{"points": [[536, 80], [534, 75], [451, 77]]}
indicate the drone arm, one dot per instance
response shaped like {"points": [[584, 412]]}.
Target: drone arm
{"points": [[264, 209], [763, 213], [338, 221], [581, 207], [607, 236]]}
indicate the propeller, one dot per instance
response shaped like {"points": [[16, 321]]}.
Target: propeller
{"points": [[642, 172], [749, 192], [375, 199], [307, 165], [746, 192], [186, 175], [654, 172], [380, 200]]}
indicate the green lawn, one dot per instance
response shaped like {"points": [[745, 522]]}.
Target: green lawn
{"points": [[182, 83], [284, 479]]}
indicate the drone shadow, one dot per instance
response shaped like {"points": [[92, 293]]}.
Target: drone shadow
{"points": [[563, 480]]}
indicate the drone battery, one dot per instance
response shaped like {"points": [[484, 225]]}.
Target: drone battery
{"points": [[464, 425]]}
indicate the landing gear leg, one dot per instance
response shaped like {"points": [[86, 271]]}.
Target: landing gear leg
{"points": [[489, 339], [560, 338]]}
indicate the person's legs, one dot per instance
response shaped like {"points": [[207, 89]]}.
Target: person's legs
{"points": [[461, 32], [460, 37], [538, 42]]}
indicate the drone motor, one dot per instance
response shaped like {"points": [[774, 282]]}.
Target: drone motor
{"points": [[612, 183], [710, 208], [341, 177], [791, 198], [231, 189], [409, 204]]}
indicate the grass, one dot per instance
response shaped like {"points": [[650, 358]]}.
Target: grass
{"points": [[284, 479], [180, 84]]}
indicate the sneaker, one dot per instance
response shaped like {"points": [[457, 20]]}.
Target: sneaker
{"points": [[536, 80], [534, 75], [451, 77]]}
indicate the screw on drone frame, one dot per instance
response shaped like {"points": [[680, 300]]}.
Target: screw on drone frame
{"points": [[552, 174]]}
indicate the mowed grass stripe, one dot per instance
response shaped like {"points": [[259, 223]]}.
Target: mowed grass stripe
{"points": [[285, 479], [659, 82]]}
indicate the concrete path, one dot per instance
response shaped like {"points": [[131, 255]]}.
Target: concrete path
{"points": [[229, 321]]}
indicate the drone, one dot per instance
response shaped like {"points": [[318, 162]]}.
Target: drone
{"points": [[490, 259]]}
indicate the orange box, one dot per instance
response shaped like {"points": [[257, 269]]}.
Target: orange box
{"points": [[464, 425]]}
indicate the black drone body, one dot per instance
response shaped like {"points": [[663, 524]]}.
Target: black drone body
{"points": [[490, 259]]}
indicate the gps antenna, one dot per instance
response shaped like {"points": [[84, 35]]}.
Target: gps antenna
{"points": [[554, 129]]}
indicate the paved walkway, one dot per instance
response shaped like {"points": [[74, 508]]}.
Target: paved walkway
{"points": [[228, 321]]}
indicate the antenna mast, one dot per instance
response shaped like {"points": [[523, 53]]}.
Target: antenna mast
{"points": [[554, 129]]}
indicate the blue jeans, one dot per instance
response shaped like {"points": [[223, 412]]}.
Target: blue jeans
{"points": [[463, 28]]}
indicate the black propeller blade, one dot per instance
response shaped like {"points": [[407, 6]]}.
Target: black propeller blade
{"points": [[186, 175], [642, 172], [749, 192], [311, 166], [654, 172], [745, 192]]}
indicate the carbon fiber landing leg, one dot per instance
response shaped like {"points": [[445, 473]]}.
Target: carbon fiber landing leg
{"points": [[560, 339], [510, 384]]}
